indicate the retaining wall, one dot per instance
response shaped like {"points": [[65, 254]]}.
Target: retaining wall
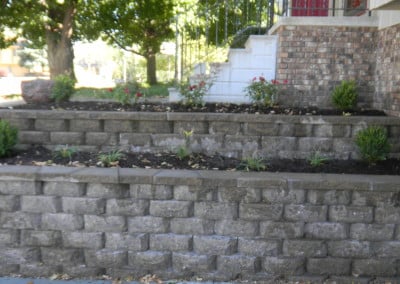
{"points": [[235, 135], [214, 225]]}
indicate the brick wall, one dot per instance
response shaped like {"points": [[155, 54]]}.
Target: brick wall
{"points": [[236, 135], [387, 74], [213, 225], [314, 59]]}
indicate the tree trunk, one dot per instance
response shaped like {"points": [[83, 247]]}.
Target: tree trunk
{"points": [[60, 52], [151, 69]]}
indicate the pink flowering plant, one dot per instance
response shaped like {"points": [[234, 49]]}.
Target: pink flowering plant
{"points": [[263, 92], [126, 93], [195, 89]]}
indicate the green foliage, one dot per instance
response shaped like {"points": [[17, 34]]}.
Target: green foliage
{"points": [[184, 151], [8, 138], [252, 164], [263, 92], [344, 96], [373, 144], [126, 92], [194, 90], [65, 152], [316, 159], [63, 89], [110, 159]]}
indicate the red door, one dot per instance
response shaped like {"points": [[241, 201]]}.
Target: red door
{"points": [[310, 8]]}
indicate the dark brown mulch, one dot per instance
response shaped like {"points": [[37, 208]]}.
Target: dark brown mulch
{"points": [[40, 156], [176, 107]]}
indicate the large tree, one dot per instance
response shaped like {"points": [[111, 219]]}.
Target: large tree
{"points": [[138, 26], [47, 23]]}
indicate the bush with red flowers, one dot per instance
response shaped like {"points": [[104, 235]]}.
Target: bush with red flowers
{"points": [[263, 92]]}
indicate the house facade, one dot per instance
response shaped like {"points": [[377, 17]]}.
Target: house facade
{"points": [[359, 40]]}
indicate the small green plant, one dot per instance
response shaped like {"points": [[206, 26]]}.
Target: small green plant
{"points": [[8, 138], [373, 144], [65, 152], [110, 159], [263, 92], [194, 90], [252, 164], [183, 151], [316, 159], [63, 88], [344, 96], [126, 93]]}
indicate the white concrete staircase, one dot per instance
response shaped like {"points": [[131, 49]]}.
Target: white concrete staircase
{"points": [[258, 58]]}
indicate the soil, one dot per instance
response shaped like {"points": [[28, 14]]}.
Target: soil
{"points": [[40, 156]]}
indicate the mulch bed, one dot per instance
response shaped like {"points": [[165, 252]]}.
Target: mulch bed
{"points": [[40, 156]]}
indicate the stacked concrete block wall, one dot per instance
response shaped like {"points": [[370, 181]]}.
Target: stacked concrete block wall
{"points": [[234, 135], [211, 225], [314, 59], [387, 75]]}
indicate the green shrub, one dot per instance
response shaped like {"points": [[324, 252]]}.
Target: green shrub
{"points": [[110, 159], [8, 138], [63, 89], [252, 164], [344, 96], [126, 92], [373, 143]]}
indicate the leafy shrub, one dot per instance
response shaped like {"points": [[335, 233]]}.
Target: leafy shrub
{"points": [[126, 92], [8, 138], [252, 164], [65, 152], [63, 89], [373, 143], [194, 90], [316, 159], [263, 92], [110, 159], [344, 96]]}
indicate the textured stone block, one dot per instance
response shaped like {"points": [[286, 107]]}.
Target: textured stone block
{"points": [[11, 256], [214, 245], [64, 189], [240, 228], [51, 124], [386, 249], [19, 187], [304, 248], [349, 249], [283, 195], [258, 247], [40, 204], [372, 232], [170, 242], [40, 238], [237, 266], [192, 226], [147, 191], [83, 205], [19, 220], [70, 138], [193, 263], [372, 198], [106, 258], [255, 211], [264, 129], [85, 125], [310, 144], [330, 197], [171, 208], [127, 207], [113, 126], [224, 127], [135, 139], [325, 230], [101, 138], [192, 193], [148, 224], [239, 194], [283, 267], [125, 241], [350, 214], [104, 190], [8, 237], [22, 123], [82, 240], [63, 222], [38, 270], [215, 210], [95, 223], [329, 266], [62, 256], [387, 215], [198, 127], [154, 127], [306, 213], [374, 267], [150, 260], [9, 203], [34, 137], [281, 230]]}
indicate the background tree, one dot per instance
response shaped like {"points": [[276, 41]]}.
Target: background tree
{"points": [[138, 26]]}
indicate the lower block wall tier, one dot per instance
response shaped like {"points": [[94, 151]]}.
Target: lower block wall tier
{"points": [[213, 225]]}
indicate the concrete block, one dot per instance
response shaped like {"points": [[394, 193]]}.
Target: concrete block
{"points": [[20, 220], [349, 249], [192, 263], [193, 193], [104, 190], [281, 230], [192, 226], [85, 125], [8, 237], [150, 260], [34, 137], [82, 240], [9, 203], [148, 224], [257, 211], [65, 189], [126, 241], [330, 197], [12, 256], [70, 138], [325, 230], [17, 187], [389, 249], [170, 242], [40, 204], [171, 208], [351, 214], [306, 213], [258, 247], [284, 267], [111, 224], [101, 138], [51, 125], [237, 266], [83, 205], [224, 127], [240, 228], [215, 210], [283, 195], [40, 238], [62, 222], [127, 207], [112, 126], [106, 258], [62, 256], [214, 245], [372, 198], [374, 267], [387, 215], [372, 232], [154, 127], [304, 248], [329, 266]]}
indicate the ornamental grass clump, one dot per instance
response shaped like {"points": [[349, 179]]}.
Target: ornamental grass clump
{"points": [[344, 96], [263, 92], [373, 144], [8, 138]]}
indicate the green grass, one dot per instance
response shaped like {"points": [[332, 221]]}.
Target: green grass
{"points": [[160, 90]]}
